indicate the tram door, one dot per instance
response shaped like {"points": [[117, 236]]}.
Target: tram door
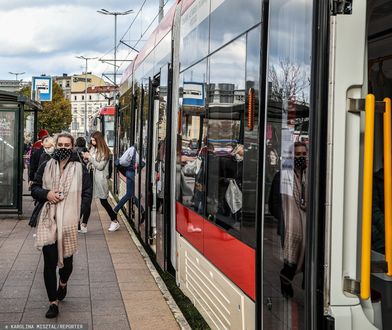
{"points": [[156, 166], [286, 163], [151, 182]]}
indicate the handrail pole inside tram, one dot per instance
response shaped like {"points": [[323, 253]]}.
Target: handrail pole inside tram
{"points": [[388, 183], [367, 196]]}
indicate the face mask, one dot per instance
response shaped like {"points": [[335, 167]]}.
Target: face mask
{"points": [[62, 153], [238, 158], [49, 150], [300, 163]]}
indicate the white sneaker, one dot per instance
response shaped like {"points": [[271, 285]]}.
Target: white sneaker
{"points": [[83, 229], [114, 226]]}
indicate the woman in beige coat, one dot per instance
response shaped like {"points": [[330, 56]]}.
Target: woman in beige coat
{"points": [[98, 158]]}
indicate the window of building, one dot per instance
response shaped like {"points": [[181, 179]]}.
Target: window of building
{"points": [[67, 83], [89, 97], [82, 97], [75, 98]]}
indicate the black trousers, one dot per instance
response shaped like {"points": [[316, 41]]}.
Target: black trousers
{"points": [[50, 267], [86, 214], [108, 208]]}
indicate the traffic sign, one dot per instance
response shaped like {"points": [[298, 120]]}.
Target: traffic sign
{"points": [[41, 88]]}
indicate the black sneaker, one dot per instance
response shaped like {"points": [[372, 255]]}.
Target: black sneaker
{"points": [[61, 292], [52, 312]]}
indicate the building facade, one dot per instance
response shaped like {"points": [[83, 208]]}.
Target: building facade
{"points": [[98, 94]]}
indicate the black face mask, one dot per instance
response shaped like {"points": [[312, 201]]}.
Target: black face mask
{"points": [[62, 153], [300, 163]]}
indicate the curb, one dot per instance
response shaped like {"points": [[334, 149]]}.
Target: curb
{"points": [[181, 320]]}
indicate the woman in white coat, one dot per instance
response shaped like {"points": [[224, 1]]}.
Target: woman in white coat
{"points": [[98, 158]]}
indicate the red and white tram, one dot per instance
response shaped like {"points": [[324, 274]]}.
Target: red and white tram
{"points": [[247, 115]]}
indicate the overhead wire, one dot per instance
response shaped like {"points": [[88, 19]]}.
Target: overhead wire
{"points": [[142, 35], [121, 62]]}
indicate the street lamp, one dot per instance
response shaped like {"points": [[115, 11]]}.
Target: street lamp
{"points": [[115, 14], [16, 74], [85, 92]]}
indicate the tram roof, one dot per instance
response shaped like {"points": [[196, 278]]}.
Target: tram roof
{"points": [[156, 36]]}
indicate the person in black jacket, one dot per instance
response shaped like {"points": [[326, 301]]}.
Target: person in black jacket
{"points": [[48, 149], [36, 153], [63, 184]]}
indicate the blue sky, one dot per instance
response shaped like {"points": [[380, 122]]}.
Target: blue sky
{"points": [[44, 36]]}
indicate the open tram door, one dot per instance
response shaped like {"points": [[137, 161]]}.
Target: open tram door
{"points": [[357, 290], [157, 227]]}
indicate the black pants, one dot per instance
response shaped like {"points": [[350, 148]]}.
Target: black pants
{"points": [[108, 208], [50, 267], [86, 214]]}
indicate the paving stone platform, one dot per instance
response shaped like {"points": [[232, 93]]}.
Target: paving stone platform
{"points": [[110, 287]]}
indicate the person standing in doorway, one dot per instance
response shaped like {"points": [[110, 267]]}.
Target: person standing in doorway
{"points": [[63, 185], [98, 158], [129, 160]]}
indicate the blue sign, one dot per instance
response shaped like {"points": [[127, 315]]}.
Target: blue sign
{"points": [[193, 94], [41, 88]]}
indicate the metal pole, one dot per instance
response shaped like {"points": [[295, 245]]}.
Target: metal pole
{"points": [[85, 102], [115, 58], [161, 5]]}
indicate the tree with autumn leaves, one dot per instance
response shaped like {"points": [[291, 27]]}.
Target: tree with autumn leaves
{"points": [[56, 115]]}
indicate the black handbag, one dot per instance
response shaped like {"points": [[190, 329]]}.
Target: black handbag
{"points": [[35, 214]]}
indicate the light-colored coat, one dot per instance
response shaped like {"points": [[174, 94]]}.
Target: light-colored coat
{"points": [[100, 176]]}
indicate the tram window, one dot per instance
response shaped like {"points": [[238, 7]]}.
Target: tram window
{"points": [[225, 139], [225, 26], [194, 33], [191, 147], [162, 52]]}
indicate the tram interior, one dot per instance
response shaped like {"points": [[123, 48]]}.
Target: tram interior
{"points": [[380, 84]]}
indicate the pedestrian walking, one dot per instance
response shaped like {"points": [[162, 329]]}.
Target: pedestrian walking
{"points": [[98, 158], [36, 153], [63, 185], [48, 149], [80, 148]]}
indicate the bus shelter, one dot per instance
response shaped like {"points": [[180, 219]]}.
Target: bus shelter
{"points": [[13, 108]]}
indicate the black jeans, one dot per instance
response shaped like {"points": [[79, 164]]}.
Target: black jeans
{"points": [[108, 208], [50, 267], [86, 214]]}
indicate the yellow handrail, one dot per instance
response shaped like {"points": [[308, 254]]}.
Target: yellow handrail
{"points": [[388, 184], [370, 105]]}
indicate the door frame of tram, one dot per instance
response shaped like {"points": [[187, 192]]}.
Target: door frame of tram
{"points": [[163, 233], [314, 300]]}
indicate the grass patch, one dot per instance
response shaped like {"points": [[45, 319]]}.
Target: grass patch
{"points": [[192, 315]]}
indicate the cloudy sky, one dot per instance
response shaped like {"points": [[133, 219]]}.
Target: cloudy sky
{"points": [[44, 36]]}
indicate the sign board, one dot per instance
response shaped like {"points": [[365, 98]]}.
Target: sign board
{"points": [[41, 88], [193, 94]]}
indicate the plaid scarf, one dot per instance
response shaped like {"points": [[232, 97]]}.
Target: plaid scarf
{"points": [[59, 222]]}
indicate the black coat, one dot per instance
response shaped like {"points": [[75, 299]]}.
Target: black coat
{"points": [[41, 194], [34, 162], [43, 158]]}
